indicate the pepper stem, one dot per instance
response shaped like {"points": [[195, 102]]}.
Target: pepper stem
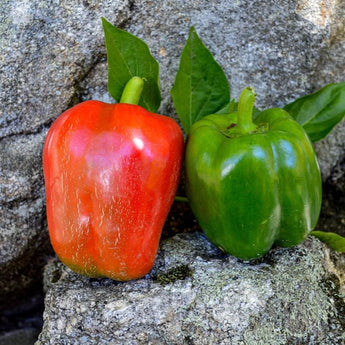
{"points": [[245, 111], [132, 91]]}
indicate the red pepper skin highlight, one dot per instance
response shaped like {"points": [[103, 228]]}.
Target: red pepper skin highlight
{"points": [[111, 173]]}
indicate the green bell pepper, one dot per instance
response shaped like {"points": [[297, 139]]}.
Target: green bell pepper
{"points": [[252, 185]]}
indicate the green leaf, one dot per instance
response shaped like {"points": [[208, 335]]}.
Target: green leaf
{"points": [[333, 240], [229, 108], [201, 87], [320, 111], [128, 56]]}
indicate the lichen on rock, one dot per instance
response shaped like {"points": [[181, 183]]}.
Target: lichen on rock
{"points": [[202, 297]]}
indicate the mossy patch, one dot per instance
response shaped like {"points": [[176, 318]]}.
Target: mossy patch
{"points": [[176, 273], [331, 287]]}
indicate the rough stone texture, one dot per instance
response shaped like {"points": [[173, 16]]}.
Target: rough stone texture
{"points": [[24, 336], [330, 68], [285, 49], [197, 295], [46, 50], [52, 56]]}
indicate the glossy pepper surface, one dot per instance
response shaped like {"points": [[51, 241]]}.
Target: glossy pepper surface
{"points": [[252, 184], [111, 173]]}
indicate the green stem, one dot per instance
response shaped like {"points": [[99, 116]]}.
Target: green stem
{"points": [[181, 199], [132, 91], [245, 111]]}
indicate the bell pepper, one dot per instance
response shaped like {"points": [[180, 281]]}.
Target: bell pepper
{"points": [[252, 184], [111, 172]]}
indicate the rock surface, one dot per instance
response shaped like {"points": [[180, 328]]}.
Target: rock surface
{"points": [[284, 49], [52, 56], [197, 295], [46, 50]]}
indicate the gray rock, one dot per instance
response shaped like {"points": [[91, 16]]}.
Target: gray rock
{"points": [[23, 236], [52, 56], [284, 49], [25, 336], [46, 50], [197, 295], [331, 153]]}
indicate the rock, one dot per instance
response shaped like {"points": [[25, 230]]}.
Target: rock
{"points": [[22, 323], [197, 295], [52, 56], [23, 237], [46, 50], [25, 336], [284, 49]]}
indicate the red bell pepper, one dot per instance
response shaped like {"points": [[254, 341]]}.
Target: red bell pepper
{"points": [[111, 173]]}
